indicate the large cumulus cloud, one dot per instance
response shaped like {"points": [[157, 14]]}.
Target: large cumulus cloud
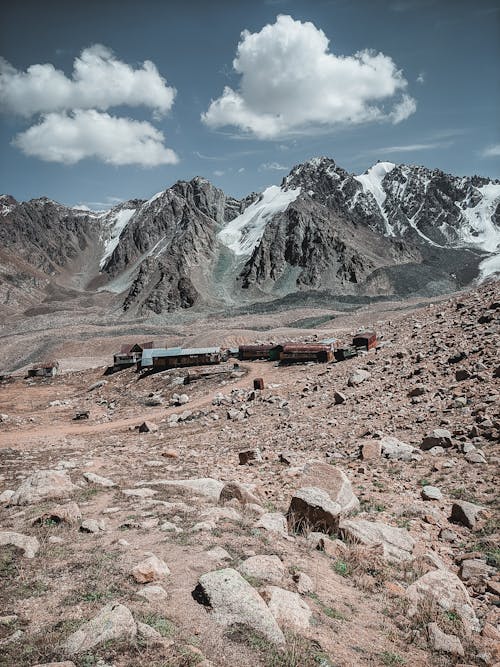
{"points": [[291, 83]]}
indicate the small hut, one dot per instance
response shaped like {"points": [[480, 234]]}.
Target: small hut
{"points": [[366, 340], [296, 353], [45, 369]]}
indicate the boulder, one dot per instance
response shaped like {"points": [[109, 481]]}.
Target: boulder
{"points": [[238, 491], [268, 569], [397, 544], [114, 622], [466, 514], [153, 593], [339, 398], [151, 569], [26, 543], [93, 526], [440, 437], [358, 377], [311, 509], [288, 608], [443, 643], [446, 590], [392, 448], [204, 486], [273, 522], [334, 481], [43, 485], [97, 479], [148, 427], [431, 493], [249, 456], [370, 450], [234, 602], [68, 513]]}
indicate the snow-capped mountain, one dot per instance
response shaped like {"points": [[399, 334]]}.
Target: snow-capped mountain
{"points": [[394, 230]]}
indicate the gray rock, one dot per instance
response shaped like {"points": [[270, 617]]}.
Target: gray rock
{"points": [[268, 569], [249, 456], [97, 479], [431, 493], [273, 522], [440, 437], [446, 589], [43, 485], [358, 377], [26, 543], [442, 642], [150, 569], [114, 622], [288, 608], [93, 526], [334, 481], [311, 509], [203, 486], [233, 601], [397, 544], [466, 514], [392, 448]]}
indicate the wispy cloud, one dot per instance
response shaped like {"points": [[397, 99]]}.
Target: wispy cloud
{"points": [[491, 151], [409, 148], [421, 77], [273, 166]]}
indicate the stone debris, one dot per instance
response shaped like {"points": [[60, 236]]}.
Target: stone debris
{"points": [[444, 643], [466, 514], [69, 513], [288, 608]]}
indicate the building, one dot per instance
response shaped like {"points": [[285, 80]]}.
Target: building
{"points": [[366, 340], [159, 359], [44, 369], [343, 353], [130, 354], [295, 353], [332, 342], [268, 351]]}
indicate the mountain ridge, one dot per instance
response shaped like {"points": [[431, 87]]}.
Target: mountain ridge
{"points": [[323, 228]]}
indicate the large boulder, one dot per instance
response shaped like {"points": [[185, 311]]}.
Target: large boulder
{"points": [[43, 485], [244, 493], [357, 377], [288, 608], [234, 602], [114, 621], [447, 591], [29, 545], [397, 544], [68, 513], [311, 509], [204, 486], [334, 481], [274, 522]]}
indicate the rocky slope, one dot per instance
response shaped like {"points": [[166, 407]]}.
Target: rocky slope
{"points": [[346, 515], [395, 230]]}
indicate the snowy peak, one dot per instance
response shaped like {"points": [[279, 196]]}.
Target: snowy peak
{"points": [[372, 183], [243, 233]]}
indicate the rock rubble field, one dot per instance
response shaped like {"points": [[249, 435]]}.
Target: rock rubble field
{"points": [[345, 515]]}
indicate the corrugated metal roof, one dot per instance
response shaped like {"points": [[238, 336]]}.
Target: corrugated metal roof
{"points": [[199, 351]]}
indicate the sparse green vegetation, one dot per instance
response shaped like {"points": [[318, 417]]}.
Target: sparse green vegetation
{"points": [[341, 567], [389, 658]]}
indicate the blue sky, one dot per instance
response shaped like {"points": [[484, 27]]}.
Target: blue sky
{"points": [[414, 81]]}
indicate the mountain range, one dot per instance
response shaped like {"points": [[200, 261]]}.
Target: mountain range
{"points": [[396, 230]]}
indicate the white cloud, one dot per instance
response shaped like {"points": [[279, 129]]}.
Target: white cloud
{"points": [[407, 148], [292, 84], [99, 81], [491, 151], [273, 166], [219, 172], [69, 138], [421, 78]]}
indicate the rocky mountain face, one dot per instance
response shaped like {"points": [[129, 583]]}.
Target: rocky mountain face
{"points": [[394, 230]]}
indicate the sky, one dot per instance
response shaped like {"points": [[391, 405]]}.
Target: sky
{"points": [[107, 100]]}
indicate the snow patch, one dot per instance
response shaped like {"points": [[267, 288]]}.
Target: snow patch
{"points": [[371, 181], [242, 234], [116, 224], [481, 230], [489, 267]]}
